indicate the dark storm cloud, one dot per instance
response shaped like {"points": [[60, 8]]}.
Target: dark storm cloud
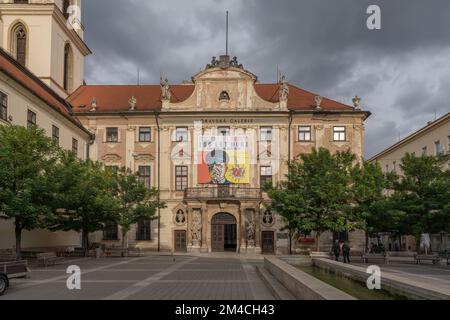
{"points": [[402, 71]]}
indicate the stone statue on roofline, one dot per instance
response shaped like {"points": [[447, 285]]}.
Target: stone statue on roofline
{"points": [[165, 89], [132, 102], [357, 103], [214, 63], [284, 88], [318, 100]]}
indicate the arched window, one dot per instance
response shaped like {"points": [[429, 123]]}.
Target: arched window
{"points": [[19, 43], [68, 67]]}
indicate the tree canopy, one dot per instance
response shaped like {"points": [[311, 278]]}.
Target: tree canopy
{"points": [[27, 156], [136, 202], [84, 199]]}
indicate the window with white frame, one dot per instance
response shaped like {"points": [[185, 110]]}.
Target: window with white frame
{"points": [[439, 148], [266, 133], [145, 134], [3, 106], [75, 146], [266, 175], [31, 118], [181, 178], [182, 134], [339, 134], [112, 135], [304, 133], [145, 176], [55, 135]]}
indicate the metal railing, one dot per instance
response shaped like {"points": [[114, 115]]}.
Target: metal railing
{"points": [[222, 193]]}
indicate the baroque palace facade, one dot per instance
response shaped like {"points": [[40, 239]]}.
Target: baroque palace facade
{"points": [[208, 145]]}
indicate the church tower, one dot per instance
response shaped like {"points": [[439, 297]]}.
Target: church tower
{"points": [[46, 36]]}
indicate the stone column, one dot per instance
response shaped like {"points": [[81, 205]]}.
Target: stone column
{"points": [[242, 234], [189, 226], [258, 229], [206, 229]]}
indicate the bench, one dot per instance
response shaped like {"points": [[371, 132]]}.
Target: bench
{"points": [[374, 256], [135, 251], [433, 258], [116, 251], [123, 251], [48, 258]]}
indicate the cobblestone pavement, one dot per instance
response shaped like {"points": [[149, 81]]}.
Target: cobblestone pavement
{"points": [[147, 278]]}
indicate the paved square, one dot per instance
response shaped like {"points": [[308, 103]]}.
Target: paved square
{"points": [[151, 277]]}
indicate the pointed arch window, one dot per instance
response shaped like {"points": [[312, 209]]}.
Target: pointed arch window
{"points": [[68, 68], [19, 43]]}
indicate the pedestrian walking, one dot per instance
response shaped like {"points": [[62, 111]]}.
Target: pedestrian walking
{"points": [[336, 249], [346, 252]]}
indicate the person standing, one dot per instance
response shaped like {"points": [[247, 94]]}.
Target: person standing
{"points": [[346, 252], [336, 249]]}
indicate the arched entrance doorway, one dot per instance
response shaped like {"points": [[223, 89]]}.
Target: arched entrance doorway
{"points": [[223, 233]]}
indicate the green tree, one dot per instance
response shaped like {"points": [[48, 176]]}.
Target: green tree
{"points": [[84, 199], [136, 201], [422, 194], [27, 155], [286, 202], [316, 195], [370, 204]]}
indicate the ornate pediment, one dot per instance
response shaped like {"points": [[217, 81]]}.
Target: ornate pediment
{"points": [[111, 157], [144, 157]]}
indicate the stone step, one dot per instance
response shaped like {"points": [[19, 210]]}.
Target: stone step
{"points": [[275, 287]]}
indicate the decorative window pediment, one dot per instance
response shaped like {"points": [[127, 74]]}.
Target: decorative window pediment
{"points": [[111, 157], [144, 157]]}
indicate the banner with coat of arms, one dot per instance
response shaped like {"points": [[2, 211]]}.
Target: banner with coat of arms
{"points": [[223, 160]]}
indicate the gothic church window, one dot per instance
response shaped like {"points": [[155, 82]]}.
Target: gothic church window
{"points": [[68, 67], [19, 43]]}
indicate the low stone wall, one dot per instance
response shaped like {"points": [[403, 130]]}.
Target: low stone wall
{"points": [[302, 285], [297, 261], [394, 284]]}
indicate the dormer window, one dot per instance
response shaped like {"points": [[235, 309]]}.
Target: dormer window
{"points": [[224, 96]]}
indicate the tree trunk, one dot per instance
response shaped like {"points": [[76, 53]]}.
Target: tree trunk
{"points": [[18, 240], [85, 242], [367, 243], [124, 238], [290, 243], [317, 241]]}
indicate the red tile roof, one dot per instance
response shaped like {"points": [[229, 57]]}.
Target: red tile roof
{"points": [[299, 99], [115, 98], [22, 75]]}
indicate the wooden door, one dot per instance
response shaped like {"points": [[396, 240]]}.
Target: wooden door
{"points": [[180, 241], [268, 242], [218, 243]]}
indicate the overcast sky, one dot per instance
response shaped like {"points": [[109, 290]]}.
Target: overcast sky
{"points": [[402, 71]]}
